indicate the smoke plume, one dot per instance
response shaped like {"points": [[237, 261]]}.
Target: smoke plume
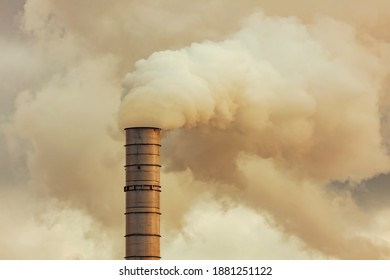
{"points": [[279, 109]]}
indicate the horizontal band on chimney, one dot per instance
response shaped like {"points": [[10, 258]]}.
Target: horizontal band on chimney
{"points": [[142, 234], [142, 164], [143, 212], [142, 144], [142, 188], [141, 257]]}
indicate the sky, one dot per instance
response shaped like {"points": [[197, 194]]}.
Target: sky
{"points": [[275, 118]]}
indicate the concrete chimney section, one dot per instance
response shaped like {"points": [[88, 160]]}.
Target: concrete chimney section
{"points": [[142, 193]]}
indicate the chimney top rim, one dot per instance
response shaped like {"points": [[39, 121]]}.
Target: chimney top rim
{"points": [[142, 127]]}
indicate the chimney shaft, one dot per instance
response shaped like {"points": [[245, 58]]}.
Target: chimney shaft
{"points": [[142, 193]]}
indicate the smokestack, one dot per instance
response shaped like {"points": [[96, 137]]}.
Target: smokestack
{"points": [[142, 193]]}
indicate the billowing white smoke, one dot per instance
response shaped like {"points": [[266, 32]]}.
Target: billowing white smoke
{"points": [[279, 109]]}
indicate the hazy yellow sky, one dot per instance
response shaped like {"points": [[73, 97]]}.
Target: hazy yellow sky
{"points": [[276, 119]]}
